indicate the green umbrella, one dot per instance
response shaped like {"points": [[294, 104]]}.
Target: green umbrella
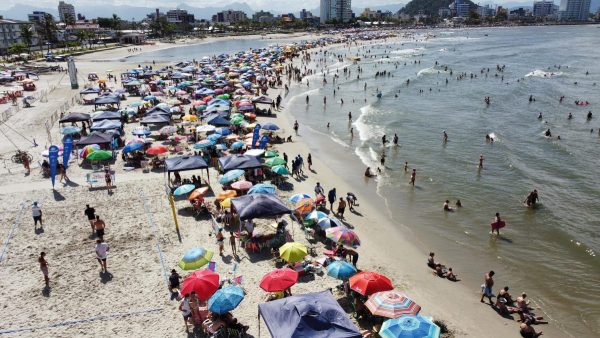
{"points": [[99, 155], [236, 116], [275, 161], [237, 120], [280, 170], [271, 153]]}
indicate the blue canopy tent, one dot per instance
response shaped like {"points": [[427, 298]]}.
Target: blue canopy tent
{"points": [[106, 100], [95, 137], [184, 163], [315, 315], [217, 120], [107, 125], [156, 119], [91, 90], [160, 110], [106, 115], [239, 162], [75, 117], [259, 206]]}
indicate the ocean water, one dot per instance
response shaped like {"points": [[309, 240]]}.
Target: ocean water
{"points": [[552, 252]]}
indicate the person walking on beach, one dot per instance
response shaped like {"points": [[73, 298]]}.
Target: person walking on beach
{"points": [[36, 212], [186, 310], [413, 176], [341, 208], [44, 267], [91, 215], [319, 190], [25, 160], [309, 161], [405, 166], [331, 197], [99, 226], [487, 285], [220, 241], [232, 243], [108, 178], [296, 125], [102, 253]]}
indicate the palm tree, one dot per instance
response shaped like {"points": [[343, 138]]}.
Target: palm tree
{"points": [[48, 29], [116, 22], [27, 36]]}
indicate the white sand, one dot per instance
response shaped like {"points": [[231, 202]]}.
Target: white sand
{"points": [[135, 301]]}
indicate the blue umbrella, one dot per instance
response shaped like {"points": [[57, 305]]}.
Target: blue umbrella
{"points": [[70, 130], [184, 189], [315, 215], [150, 98], [221, 146], [409, 327], [214, 137], [223, 131], [225, 299], [329, 222], [262, 188], [269, 126], [295, 198], [341, 270], [204, 144], [141, 131], [133, 147], [237, 145], [231, 176]]}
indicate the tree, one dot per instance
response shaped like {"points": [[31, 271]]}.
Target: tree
{"points": [[17, 48], [27, 35], [69, 19], [115, 22], [161, 27], [47, 29]]}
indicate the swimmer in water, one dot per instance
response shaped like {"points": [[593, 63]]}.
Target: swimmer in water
{"points": [[548, 133], [405, 166], [540, 116], [382, 160], [395, 139], [481, 158], [445, 136], [368, 172], [413, 176], [383, 139], [447, 206], [570, 117]]}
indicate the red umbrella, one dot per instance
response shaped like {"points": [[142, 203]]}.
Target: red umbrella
{"points": [[241, 185], [157, 149], [279, 280], [203, 282], [367, 283]]}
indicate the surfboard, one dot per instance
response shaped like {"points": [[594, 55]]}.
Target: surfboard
{"points": [[498, 225]]}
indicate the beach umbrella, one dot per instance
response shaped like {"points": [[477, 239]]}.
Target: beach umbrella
{"points": [[392, 304], [293, 252], [157, 149], [304, 206], [184, 189], [262, 188], [280, 170], [214, 137], [271, 153], [204, 144], [231, 176], [270, 127], [241, 185], [195, 259], [99, 155], [409, 327], [226, 194], [198, 193], [341, 270], [278, 280], [275, 161], [295, 198], [139, 140], [223, 131], [225, 299], [190, 118], [315, 215], [149, 98], [226, 203], [133, 147], [70, 130], [343, 235], [220, 146], [141, 131], [329, 222], [368, 283], [205, 128], [88, 150], [203, 282], [168, 130], [237, 145]]}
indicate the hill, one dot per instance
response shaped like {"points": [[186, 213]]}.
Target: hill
{"points": [[429, 7]]}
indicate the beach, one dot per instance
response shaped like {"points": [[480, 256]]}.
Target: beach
{"points": [[133, 299]]}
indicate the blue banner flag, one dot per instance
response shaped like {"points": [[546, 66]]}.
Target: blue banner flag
{"points": [[53, 158], [255, 135], [263, 142], [67, 148]]}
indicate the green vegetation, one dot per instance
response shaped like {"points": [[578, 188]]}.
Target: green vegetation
{"points": [[429, 7]]}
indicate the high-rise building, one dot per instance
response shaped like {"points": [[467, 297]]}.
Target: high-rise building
{"points": [[574, 10], [36, 17], [543, 8], [66, 12], [178, 16], [305, 15], [263, 17], [339, 10], [229, 17]]}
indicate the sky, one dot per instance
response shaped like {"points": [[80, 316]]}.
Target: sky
{"points": [[255, 4]]}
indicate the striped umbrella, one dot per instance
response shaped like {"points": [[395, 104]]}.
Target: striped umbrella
{"points": [[295, 198], [342, 235], [326, 222], [315, 215], [392, 304], [409, 327], [195, 259]]}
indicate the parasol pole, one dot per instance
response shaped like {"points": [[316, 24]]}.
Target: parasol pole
{"points": [[172, 203]]}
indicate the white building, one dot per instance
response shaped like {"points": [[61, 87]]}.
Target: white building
{"points": [[10, 33], [574, 10], [485, 11], [66, 11], [543, 8], [339, 10]]}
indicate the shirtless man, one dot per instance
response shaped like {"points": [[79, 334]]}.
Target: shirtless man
{"points": [[413, 176], [527, 331], [487, 285], [99, 226], [481, 158]]}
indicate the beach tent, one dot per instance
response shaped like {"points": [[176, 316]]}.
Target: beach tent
{"points": [[106, 115], [217, 120], [95, 137], [315, 314], [184, 163], [75, 117], [91, 90], [106, 125], [238, 162], [160, 110], [155, 119], [104, 100], [258, 206], [262, 99]]}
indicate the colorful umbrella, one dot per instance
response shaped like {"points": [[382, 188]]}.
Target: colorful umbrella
{"points": [[190, 118], [214, 137], [304, 206], [368, 283], [70, 130], [341, 270], [280, 170], [198, 193], [99, 155], [226, 299], [409, 327], [184, 189], [203, 282], [223, 131], [392, 304], [83, 153], [231, 176], [205, 128], [329, 222], [342, 235], [278, 280], [275, 161], [315, 215], [241, 185], [157, 149], [262, 188], [295, 198], [195, 259], [226, 194], [293, 252], [133, 147]]}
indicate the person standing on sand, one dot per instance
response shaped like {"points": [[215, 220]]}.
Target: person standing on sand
{"points": [[309, 161], [487, 285], [296, 126], [25, 161], [331, 196], [44, 267], [413, 176], [102, 253], [91, 215], [220, 241], [341, 208], [186, 310], [36, 212], [99, 226], [232, 243]]}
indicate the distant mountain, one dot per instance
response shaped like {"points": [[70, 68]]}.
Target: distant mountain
{"points": [[391, 7], [429, 7], [20, 12]]}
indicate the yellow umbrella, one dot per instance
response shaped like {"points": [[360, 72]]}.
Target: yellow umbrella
{"points": [[226, 194], [190, 118], [226, 203], [293, 252]]}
